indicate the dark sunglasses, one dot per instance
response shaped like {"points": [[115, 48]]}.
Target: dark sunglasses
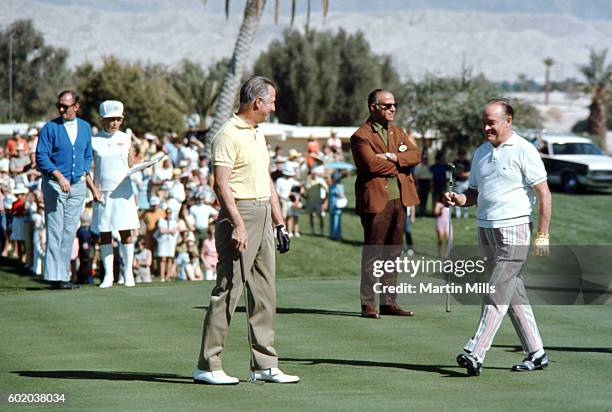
{"points": [[386, 106], [61, 106]]}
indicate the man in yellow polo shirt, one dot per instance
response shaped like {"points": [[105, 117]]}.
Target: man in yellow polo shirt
{"points": [[250, 213]]}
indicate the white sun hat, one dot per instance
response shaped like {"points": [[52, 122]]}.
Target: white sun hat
{"points": [[111, 108]]}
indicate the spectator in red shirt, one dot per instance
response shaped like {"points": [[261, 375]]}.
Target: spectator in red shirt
{"points": [[11, 143], [18, 210], [312, 148]]}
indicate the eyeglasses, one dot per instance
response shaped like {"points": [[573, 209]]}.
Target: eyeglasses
{"points": [[386, 106], [64, 107]]}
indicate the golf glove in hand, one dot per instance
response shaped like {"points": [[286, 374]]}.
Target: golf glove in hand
{"points": [[283, 239], [540, 244]]}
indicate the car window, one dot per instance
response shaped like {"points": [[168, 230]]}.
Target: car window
{"points": [[576, 149]]}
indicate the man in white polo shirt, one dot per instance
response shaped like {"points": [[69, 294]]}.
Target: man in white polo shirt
{"points": [[506, 178]]}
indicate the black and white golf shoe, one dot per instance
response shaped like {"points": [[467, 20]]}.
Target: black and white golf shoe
{"points": [[532, 363], [470, 363]]}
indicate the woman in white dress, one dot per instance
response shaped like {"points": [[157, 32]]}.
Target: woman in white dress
{"points": [[166, 234], [115, 207]]}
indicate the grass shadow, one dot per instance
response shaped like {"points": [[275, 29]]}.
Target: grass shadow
{"points": [[439, 369], [515, 348], [299, 311], [351, 242], [108, 376]]}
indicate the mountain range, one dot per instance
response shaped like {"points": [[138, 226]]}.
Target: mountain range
{"points": [[499, 39]]}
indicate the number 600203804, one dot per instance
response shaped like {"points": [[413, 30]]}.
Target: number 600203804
{"points": [[36, 398]]}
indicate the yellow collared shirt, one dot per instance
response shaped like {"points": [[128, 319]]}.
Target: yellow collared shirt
{"points": [[242, 148]]}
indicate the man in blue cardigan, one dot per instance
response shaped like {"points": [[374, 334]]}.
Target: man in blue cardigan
{"points": [[63, 155]]}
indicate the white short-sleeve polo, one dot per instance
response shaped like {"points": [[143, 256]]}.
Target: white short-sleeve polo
{"points": [[504, 177]]}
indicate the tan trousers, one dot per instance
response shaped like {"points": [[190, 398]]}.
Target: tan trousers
{"points": [[259, 269]]}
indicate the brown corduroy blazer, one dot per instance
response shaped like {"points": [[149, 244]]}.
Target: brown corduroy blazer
{"points": [[372, 172]]}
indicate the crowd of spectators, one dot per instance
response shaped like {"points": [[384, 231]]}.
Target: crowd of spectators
{"points": [[305, 182], [178, 207], [176, 202]]}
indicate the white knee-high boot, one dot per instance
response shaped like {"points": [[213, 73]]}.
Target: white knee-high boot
{"points": [[127, 252], [106, 252]]}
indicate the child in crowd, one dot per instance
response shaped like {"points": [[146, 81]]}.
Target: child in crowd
{"points": [[209, 254], [185, 247], [85, 237], [18, 212], [442, 215], [193, 271], [293, 211], [38, 237], [142, 262], [167, 235], [316, 193], [337, 202]]}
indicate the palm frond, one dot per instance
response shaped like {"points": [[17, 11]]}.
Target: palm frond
{"points": [[292, 13], [276, 10], [325, 8], [260, 6], [308, 17]]}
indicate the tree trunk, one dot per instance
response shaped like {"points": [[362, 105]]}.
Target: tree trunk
{"points": [[547, 85], [233, 76], [596, 123]]}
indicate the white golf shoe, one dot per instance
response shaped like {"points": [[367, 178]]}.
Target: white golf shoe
{"points": [[213, 377], [274, 375], [107, 282]]}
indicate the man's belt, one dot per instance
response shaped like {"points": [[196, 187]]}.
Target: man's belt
{"points": [[259, 199]]}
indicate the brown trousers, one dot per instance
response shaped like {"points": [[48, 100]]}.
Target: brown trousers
{"points": [[259, 268], [382, 239]]}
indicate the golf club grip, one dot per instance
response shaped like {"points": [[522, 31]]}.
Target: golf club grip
{"points": [[242, 268]]}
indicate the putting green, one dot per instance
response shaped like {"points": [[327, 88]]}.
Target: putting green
{"points": [[134, 349]]}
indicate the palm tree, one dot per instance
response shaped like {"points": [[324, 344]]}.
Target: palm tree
{"points": [[233, 76], [548, 62], [598, 75]]}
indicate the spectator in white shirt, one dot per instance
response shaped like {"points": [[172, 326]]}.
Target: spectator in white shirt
{"points": [[201, 213]]}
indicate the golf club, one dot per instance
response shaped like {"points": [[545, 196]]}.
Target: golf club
{"points": [[451, 180], [245, 291]]}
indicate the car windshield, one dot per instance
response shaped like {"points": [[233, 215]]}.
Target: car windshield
{"points": [[576, 149]]}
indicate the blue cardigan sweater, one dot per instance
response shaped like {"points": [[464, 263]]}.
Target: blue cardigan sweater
{"points": [[54, 150]]}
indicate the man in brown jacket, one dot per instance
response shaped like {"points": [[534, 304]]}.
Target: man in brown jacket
{"points": [[384, 155]]}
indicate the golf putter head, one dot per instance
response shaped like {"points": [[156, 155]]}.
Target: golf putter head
{"points": [[253, 381]]}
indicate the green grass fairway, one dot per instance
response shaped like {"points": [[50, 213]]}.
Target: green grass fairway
{"points": [[135, 349]]}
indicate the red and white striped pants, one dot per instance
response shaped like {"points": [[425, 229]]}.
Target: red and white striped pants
{"points": [[506, 250]]}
